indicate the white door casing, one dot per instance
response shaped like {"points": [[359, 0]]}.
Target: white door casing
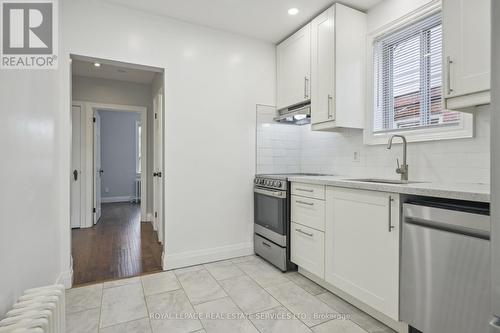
{"points": [[158, 166], [76, 167], [89, 155], [97, 167]]}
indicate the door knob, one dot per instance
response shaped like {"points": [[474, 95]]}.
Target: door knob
{"points": [[75, 175], [101, 171], [157, 174]]}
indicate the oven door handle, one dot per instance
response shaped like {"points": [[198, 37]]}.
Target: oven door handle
{"points": [[276, 194]]}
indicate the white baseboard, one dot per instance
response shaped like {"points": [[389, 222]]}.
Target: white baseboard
{"points": [[148, 218], [117, 199], [197, 257], [66, 279]]}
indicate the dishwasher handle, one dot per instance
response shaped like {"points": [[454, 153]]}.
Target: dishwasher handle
{"points": [[466, 223]]}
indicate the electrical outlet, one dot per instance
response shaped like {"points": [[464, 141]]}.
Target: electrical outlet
{"points": [[356, 156], [106, 189]]}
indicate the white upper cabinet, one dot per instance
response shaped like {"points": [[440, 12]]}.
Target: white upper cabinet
{"points": [[323, 67], [362, 246], [338, 38], [294, 69], [466, 52]]}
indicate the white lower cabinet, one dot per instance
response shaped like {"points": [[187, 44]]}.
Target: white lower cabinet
{"points": [[362, 246], [309, 212], [308, 249]]}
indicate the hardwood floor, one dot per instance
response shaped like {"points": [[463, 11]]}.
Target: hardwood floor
{"points": [[118, 246]]}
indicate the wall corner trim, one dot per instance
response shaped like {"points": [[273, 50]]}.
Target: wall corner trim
{"points": [[66, 279]]}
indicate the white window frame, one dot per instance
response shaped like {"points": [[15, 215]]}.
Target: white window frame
{"points": [[465, 127]]}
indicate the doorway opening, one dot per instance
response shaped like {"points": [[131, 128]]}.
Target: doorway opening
{"points": [[117, 170]]}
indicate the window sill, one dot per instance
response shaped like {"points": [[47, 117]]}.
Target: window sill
{"points": [[463, 131]]}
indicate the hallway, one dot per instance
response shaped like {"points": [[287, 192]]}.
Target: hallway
{"points": [[118, 246]]}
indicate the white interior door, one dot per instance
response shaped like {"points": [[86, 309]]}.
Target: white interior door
{"points": [[76, 168], [158, 167], [97, 166]]}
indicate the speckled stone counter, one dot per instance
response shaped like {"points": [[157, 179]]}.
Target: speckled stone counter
{"points": [[458, 191]]}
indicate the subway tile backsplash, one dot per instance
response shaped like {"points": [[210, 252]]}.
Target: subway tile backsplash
{"points": [[288, 148]]}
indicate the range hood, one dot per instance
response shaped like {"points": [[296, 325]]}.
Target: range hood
{"points": [[295, 115]]}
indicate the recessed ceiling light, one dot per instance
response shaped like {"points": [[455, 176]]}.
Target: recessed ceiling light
{"points": [[293, 11], [96, 64]]}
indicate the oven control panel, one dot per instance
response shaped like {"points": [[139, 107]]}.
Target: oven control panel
{"points": [[271, 183]]}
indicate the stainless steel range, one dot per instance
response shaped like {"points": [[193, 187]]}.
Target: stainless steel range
{"points": [[272, 218]]}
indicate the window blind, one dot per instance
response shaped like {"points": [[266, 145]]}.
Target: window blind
{"points": [[408, 68]]}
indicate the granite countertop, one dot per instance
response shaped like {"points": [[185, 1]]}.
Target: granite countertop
{"points": [[458, 191]]}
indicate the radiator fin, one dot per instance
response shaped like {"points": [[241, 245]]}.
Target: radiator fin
{"points": [[38, 310]]}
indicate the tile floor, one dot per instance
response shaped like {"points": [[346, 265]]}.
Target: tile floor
{"points": [[240, 295]]}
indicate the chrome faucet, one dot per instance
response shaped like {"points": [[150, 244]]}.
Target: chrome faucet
{"points": [[403, 168]]}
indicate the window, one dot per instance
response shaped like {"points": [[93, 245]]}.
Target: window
{"points": [[138, 136], [407, 73]]}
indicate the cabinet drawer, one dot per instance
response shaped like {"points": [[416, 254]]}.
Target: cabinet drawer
{"points": [[309, 190], [308, 212], [308, 249]]}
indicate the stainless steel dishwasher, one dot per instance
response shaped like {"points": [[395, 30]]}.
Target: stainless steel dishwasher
{"points": [[445, 266]]}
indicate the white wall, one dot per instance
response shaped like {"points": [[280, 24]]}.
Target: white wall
{"points": [[495, 165], [278, 146], [30, 180], [391, 10], [106, 91], [213, 81], [118, 154]]}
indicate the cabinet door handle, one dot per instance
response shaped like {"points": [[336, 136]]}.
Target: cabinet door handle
{"points": [[265, 244], [330, 98], [449, 62], [304, 190], [306, 87], [304, 233], [390, 214], [304, 203]]}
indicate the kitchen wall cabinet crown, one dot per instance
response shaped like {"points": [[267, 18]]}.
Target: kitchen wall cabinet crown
{"points": [[338, 39], [294, 69], [466, 53]]}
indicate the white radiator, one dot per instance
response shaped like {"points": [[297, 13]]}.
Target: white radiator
{"points": [[38, 310], [137, 198]]}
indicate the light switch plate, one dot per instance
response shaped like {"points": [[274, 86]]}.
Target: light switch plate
{"points": [[356, 156]]}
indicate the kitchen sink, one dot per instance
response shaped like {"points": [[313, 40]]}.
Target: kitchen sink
{"points": [[382, 181]]}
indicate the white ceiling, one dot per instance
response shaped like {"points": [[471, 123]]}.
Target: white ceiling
{"points": [[263, 19], [112, 72]]}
